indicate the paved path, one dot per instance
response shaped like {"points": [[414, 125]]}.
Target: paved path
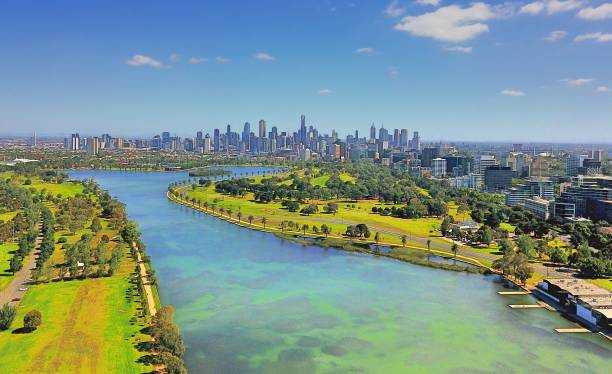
{"points": [[12, 294], [147, 286]]}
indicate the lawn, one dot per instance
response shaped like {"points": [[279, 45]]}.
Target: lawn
{"points": [[5, 217], [66, 189], [88, 326], [5, 258], [603, 283]]}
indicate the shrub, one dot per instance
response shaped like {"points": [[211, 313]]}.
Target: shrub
{"points": [[32, 320]]}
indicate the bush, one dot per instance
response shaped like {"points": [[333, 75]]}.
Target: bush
{"points": [[32, 320], [62, 240], [7, 315]]}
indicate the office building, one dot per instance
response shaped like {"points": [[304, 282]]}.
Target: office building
{"points": [[262, 128], [438, 167], [498, 178], [93, 146], [482, 162], [538, 206]]}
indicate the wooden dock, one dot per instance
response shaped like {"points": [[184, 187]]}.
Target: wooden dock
{"points": [[572, 329], [525, 306], [513, 293]]}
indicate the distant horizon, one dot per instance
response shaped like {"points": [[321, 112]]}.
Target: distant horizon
{"points": [[423, 140]]}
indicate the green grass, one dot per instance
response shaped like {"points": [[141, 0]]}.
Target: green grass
{"points": [[66, 189], [88, 326], [5, 258], [5, 217]]}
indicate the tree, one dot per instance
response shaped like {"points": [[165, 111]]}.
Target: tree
{"points": [[32, 320], [7, 315], [404, 240], [445, 225], [96, 226], [173, 364], [523, 272], [239, 215], [377, 237], [505, 246], [526, 246], [310, 209], [455, 249], [558, 256], [592, 267], [264, 220], [325, 230], [485, 235], [304, 228], [283, 224], [16, 264], [250, 220]]}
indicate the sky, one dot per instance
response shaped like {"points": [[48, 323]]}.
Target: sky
{"points": [[452, 70]]}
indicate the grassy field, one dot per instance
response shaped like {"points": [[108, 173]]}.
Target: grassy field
{"points": [[88, 326], [603, 283], [5, 258], [65, 189], [4, 217]]}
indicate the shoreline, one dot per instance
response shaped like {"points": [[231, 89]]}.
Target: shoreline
{"points": [[351, 245]]}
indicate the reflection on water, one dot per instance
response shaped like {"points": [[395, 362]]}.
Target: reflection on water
{"points": [[248, 302]]}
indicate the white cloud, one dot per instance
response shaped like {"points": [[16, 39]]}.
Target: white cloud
{"points": [[365, 50], [604, 11], [222, 60], [325, 91], [459, 49], [393, 72], [555, 35], [596, 36], [602, 89], [174, 58], [197, 60], [262, 56], [550, 6], [394, 9], [576, 82], [513, 93], [428, 2], [450, 23], [142, 60]]}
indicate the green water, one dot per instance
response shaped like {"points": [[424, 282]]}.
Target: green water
{"points": [[248, 302]]}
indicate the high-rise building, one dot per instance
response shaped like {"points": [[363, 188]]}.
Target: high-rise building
{"points": [[404, 138], [396, 138], [206, 144], [262, 128], [428, 155], [416, 141], [498, 178], [199, 139], [245, 134], [573, 163], [438, 167], [93, 146], [217, 140], [383, 134], [75, 143], [482, 162], [303, 134], [372, 132]]}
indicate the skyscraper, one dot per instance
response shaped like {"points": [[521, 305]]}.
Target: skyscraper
{"points": [[262, 128], [93, 146], [245, 134], [404, 138], [75, 143], [228, 135], [303, 133], [217, 140], [396, 138], [199, 139], [373, 132]]}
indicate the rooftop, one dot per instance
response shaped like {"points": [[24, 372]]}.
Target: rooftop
{"points": [[578, 287]]}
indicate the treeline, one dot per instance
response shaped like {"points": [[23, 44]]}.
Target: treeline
{"points": [[168, 342]]}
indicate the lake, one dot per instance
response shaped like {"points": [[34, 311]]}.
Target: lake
{"points": [[249, 302]]}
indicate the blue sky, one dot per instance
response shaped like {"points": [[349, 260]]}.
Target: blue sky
{"points": [[453, 70]]}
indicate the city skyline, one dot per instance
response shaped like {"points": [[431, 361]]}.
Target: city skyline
{"points": [[197, 66]]}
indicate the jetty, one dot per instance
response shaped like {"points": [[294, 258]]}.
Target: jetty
{"points": [[513, 292]]}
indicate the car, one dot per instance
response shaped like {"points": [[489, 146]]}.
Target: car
{"points": [[23, 289], [16, 299]]}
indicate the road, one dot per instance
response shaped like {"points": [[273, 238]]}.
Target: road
{"points": [[11, 294], [147, 286]]}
